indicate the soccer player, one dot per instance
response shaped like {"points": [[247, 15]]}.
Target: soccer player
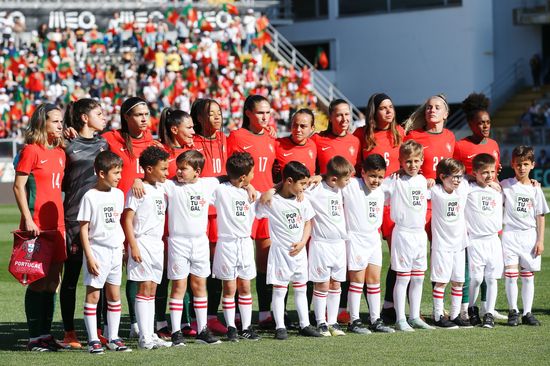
{"points": [[523, 234], [102, 241]]}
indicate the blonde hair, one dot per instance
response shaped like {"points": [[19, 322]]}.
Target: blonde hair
{"points": [[36, 131], [417, 119], [409, 148]]}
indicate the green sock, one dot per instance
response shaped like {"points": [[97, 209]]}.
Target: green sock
{"points": [[161, 299], [466, 287], [33, 311], [131, 292], [48, 301], [483, 291], [186, 316]]}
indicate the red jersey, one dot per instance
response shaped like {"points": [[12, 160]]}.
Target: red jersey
{"points": [[384, 146], [262, 149], [174, 153], [46, 168], [130, 164], [329, 146], [436, 147], [466, 150], [215, 154], [287, 151]]}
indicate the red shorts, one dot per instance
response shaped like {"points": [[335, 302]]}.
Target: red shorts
{"points": [[59, 247], [260, 229], [428, 226], [212, 228], [387, 224]]}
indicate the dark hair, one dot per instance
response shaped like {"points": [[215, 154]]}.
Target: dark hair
{"points": [[448, 166], [151, 156], [249, 105], [339, 167], [168, 119], [107, 160], [374, 102], [200, 112], [331, 108], [193, 158], [523, 153], [239, 164], [75, 110], [475, 102], [296, 171], [481, 160], [126, 107], [374, 162], [305, 111]]}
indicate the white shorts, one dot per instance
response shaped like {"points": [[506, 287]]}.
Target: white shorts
{"points": [[188, 255], [518, 248], [409, 250], [363, 250], [447, 266], [152, 261], [109, 261], [234, 258], [282, 268], [485, 257], [327, 260]]}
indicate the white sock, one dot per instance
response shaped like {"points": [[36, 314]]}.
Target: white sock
{"points": [[200, 304], [151, 315], [511, 285], [373, 299], [228, 306], [278, 305], [456, 301], [114, 309], [527, 291], [492, 291], [300, 300], [245, 310], [474, 289], [176, 309], [141, 307], [415, 293], [333, 303], [400, 294], [464, 307], [320, 306], [90, 320], [438, 294], [354, 299]]}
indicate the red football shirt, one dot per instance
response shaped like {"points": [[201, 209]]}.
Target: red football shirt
{"points": [[329, 145], [384, 146], [436, 147], [466, 150], [215, 154], [174, 153], [46, 168], [287, 151]]}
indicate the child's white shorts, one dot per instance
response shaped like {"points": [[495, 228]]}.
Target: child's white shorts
{"points": [[518, 247], [151, 250], [327, 260], [408, 250], [447, 266], [282, 268], [234, 258], [188, 255], [363, 249], [109, 261], [485, 257]]}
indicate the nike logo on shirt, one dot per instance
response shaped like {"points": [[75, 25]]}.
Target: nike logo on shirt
{"points": [[471, 156], [76, 151], [247, 147], [326, 148], [43, 161], [287, 154], [123, 149]]}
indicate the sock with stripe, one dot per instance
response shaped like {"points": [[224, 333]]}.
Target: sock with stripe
{"points": [[527, 291], [400, 294], [456, 301], [90, 321], [373, 299], [355, 291], [492, 291], [245, 309], [320, 306], [278, 305], [200, 305], [228, 306], [33, 310], [141, 307], [114, 309], [333, 305], [176, 308], [300, 300], [415, 293], [438, 294], [511, 285]]}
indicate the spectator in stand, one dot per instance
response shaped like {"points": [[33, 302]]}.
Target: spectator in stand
{"points": [[249, 24]]}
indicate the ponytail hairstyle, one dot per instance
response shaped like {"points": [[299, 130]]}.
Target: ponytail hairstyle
{"points": [[372, 107], [125, 108], [75, 110], [170, 118], [250, 105], [417, 119], [36, 131]]}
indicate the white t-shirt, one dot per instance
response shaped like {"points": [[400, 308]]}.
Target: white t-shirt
{"points": [[103, 210], [522, 204], [188, 206], [235, 212], [483, 211], [448, 220], [408, 198], [149, 211], [363, 208], [287, 218], [328, 203]]}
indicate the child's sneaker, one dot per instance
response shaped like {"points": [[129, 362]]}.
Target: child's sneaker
{"points": [[206, 337], [164, 333], [118, 345], [147, 344], [188, 331], [281, 334], [161, 343], [473, 313], [499, 316], [335, 330], [529, 319], [379, 327], [216, 326], [462, 322], [250, 334], [488, 321], [95, 348], [357, 327], [38, 346], [444, 322], [309, 331], [177, 339], [513, 318], [323, 330], [388, 316], [403, 326], [71, 341], [232, 334], [420, 324]]}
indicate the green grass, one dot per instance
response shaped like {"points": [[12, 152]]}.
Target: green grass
{"points": [[502, 345]]}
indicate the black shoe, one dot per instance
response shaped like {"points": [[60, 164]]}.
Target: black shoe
{"points": [[357, 327], [52, 343], [379, 327], [177, 339], [250, 334], [513, 318], [462, 322], [473, 313], [488, 321], [38, 346], [388, 316], [206, 337], [232, 334], [529, 319], [309, 331], [281, 334], [444, 322]]}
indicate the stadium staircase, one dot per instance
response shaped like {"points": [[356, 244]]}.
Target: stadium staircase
{"points": [[509, 114]]}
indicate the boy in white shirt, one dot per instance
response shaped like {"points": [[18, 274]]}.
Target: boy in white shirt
{"points": [[102, 243], [327, 249], [364, 209], [523, 234], [483, 222], [143, 223]]}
